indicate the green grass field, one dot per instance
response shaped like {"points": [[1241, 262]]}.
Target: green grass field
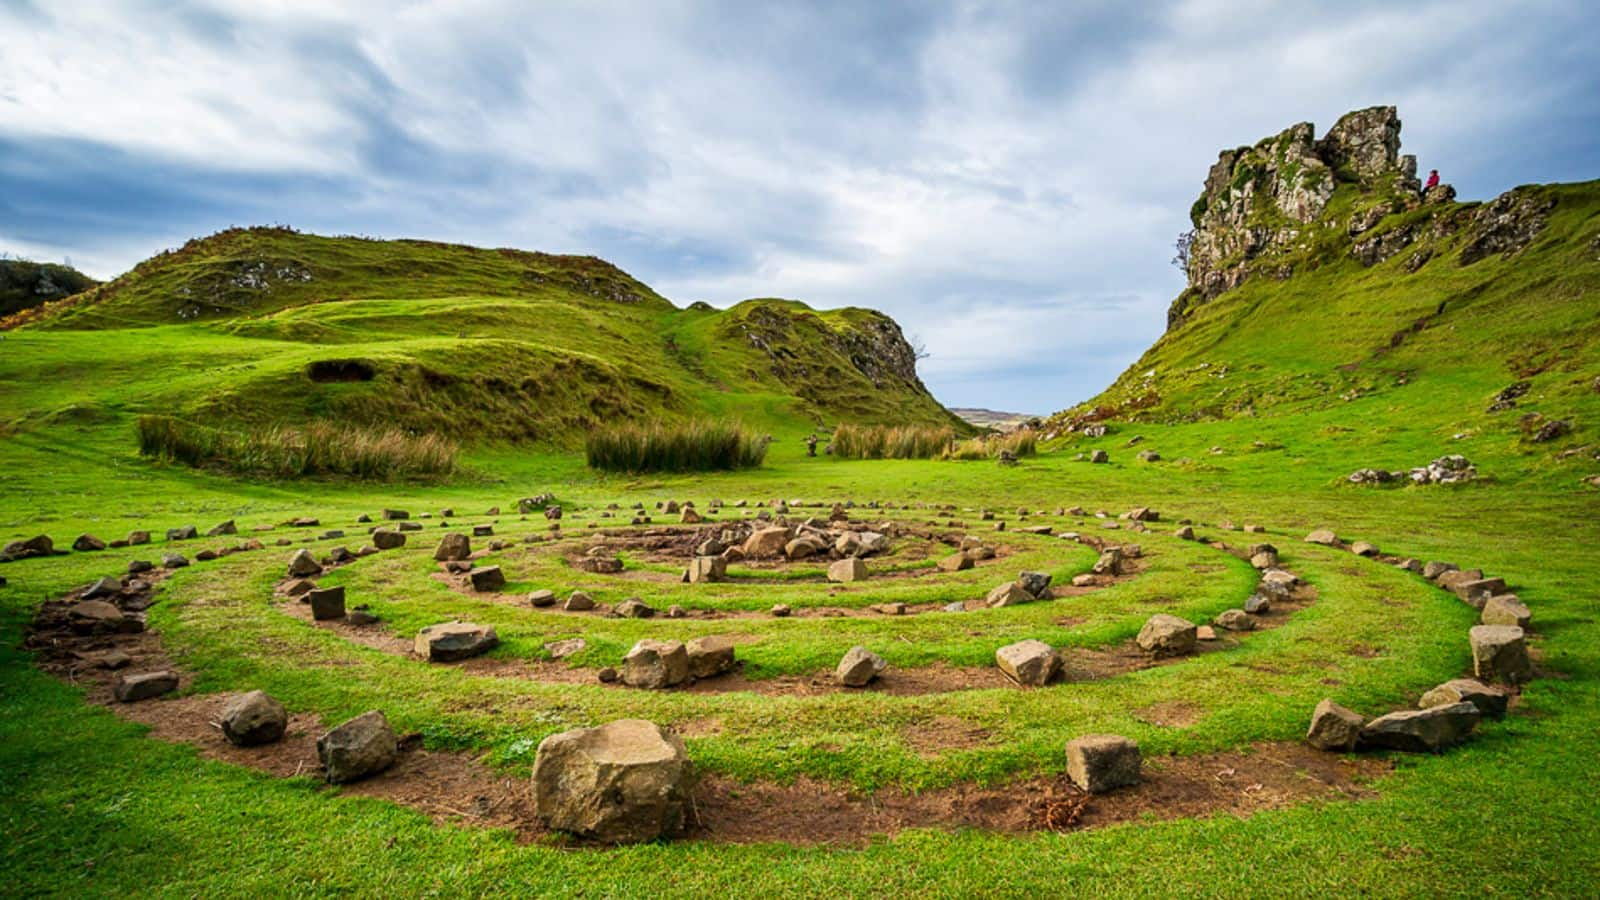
{"points": [[94, 806]]}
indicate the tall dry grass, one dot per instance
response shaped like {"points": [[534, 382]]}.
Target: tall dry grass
{"points": [[891, 441], [696, 446], [1022, 442], [317, 448]]}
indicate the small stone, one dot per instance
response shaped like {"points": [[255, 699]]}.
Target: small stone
{"points": [[1008, 594], [454, 546], [487, 578], [958, 562], [1433, 570], [542, 598], [1029, 662], [303, 565], [1334, 728], [88, 543], [1323, 536], [363, 746], [1185, 533], [859, 667], [579, 601], [654, 664], [1235, 620], [144, 685], [566, 648], [1167, 635], [851, 568], [1258, 605], [1101, 762], [710, 656], [1036, 584], [452, 641], [1363, 548], [634, 608], [326, 603], [254, 718], [781, 611]]}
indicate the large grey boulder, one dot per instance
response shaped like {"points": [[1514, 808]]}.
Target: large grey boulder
{"points": [[1421, 730], [1500, 653], [627, 781], [1489, 699], [1166, 635], [1100, 762], [303, 565], [451, 641], [363, 746], [254, 718], [654, 664], [1031, 662], [1334, 728], [859, 667], [710, 656]]}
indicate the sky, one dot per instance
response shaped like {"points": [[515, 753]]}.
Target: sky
{"points": [[1005, 179]]}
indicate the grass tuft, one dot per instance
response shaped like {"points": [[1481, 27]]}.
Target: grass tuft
{"points": [[1022, 442], [695, 446], [319, 448], [891, 441]]}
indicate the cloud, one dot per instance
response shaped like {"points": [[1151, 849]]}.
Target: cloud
{"points": [[1005, 178]]}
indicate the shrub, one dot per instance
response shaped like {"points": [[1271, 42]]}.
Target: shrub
{"points": [[696, 446], [318, 448], [891, 441], [1022, 442]]}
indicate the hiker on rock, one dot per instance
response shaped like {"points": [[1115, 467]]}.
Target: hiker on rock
{"points": [[1433, 180]]}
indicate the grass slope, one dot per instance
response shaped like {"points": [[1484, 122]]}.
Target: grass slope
{"points": [[266, 326]]}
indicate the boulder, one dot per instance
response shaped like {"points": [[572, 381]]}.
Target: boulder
{"points": [[1165, 635], [579, 601], [1500, 653], [1477, 592], [227, 527], [40, 545], [851, 568], [388, 539], [542, 598], [1432, 570], [710, 656], [173, 561], [254, 718], [1101, 762], [1109, 563], [766, 542], [859, 667], [706, 570], [186, 533], [363, 746], [1334, 728], [326, 603], [144, 685], [1490, 700], [1506, 609], [1324, 537], [88, 543], [453, 546], [1029, 662], [1363, 548], [1036, 584], [656, 664], [1457, 577], [1421, 730], [451, 641], [627, 781], [1235, 620], [303, 565], [1008, 594], [487, 578]]}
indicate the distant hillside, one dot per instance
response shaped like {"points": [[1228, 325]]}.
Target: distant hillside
{"points": [[25, 284], [989, 418], [1320, 278], [269, 325]]}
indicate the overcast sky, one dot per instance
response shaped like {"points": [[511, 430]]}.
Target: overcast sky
{"points": [[1005, 179]]}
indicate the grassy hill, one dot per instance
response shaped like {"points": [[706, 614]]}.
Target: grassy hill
{"points": [[25, 284], [267, 326]]}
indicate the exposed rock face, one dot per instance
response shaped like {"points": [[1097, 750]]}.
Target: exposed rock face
{"points": [[1506, 225], [625, 782]]}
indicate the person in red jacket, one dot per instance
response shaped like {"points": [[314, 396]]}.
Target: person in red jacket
{"points": [[1433, 180]]}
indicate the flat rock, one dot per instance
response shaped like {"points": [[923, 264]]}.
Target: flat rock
{"points": [[625, 782], [1421, 730], [144, 685], [359, 748], [451, 641], [1492, 701]]}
